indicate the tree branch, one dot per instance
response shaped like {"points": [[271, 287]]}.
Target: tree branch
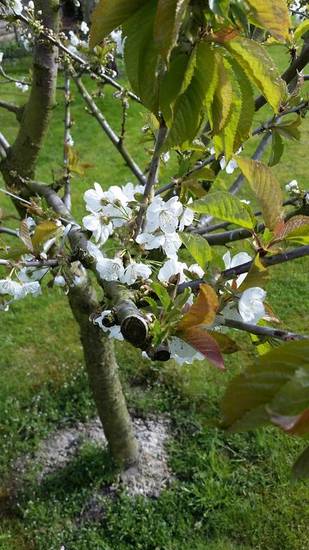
{"points": [[117, 142], [269, 332], [152, 176], [8, 231], [12, 108], [66, 141]]}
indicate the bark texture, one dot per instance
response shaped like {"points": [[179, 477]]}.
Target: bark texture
{"points": [[104, 379], [23, 154]]}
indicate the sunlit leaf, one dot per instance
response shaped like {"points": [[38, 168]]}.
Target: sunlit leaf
{"points": [[272, 16], [260, 68], [258, 275], [43, 231], [223, 96], [302, 28], [226, 207], [198, 247], [167, 24], [266, 188]]}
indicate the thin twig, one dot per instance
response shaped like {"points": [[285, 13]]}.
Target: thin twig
{"points": [[269, 332], [93, 70], [11, 107], [117, 142], [8, 231], [152, 177], [66, 144]]}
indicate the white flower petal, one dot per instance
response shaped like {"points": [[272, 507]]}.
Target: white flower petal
{"points": [[110, 270], [250, 305], [183, 352]]}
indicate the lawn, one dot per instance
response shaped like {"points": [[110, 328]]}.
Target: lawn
{"points": [[230, 491]]}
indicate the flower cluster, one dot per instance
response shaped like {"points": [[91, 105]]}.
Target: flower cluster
{"points": [[163, 219]]}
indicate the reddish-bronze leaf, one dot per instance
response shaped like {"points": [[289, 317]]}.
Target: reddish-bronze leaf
{"points": [[203, 311], [294, 223], [201, 340]]}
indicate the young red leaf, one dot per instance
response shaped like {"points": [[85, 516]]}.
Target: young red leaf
{"points": [[201, 340]]}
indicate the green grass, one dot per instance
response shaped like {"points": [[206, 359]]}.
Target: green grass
{"points": [[231, 491]]}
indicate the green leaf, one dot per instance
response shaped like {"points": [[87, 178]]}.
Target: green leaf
{"points": [[223, 96], [110, 14], [272, 16], [260, 69], [277, 148], [246, 97], [226, 207], [301, 466], [302, 28], [198, 247], [141, 55], [175, 81], [290, 130], [167, 24], [250, 397], [162, 294], [189, 109], [43, 231], [266, 188]]}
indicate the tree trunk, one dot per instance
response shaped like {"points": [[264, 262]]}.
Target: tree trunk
{"points": [[103, 378]]}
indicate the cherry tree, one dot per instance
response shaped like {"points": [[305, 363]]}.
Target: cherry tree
{"points": [[197, 67]]}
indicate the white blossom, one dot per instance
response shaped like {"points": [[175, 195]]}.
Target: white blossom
{"points": [[195, 269], [238, 259], [94, 252], [171, 244], [150, 241], [171, 268], [163, 215], [183, 352], [96, 223], [84, 27], [244, 201], [229, 167], [31, 274], [110, 270], [1, 57], [186, 218], [17, 7], [292, 187], [59, 280], [130, 190], [18, 290], [93, 198], [113, 331], [22, 87], [75, 41], [135, 271], [250, 305], [31, 5]]}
